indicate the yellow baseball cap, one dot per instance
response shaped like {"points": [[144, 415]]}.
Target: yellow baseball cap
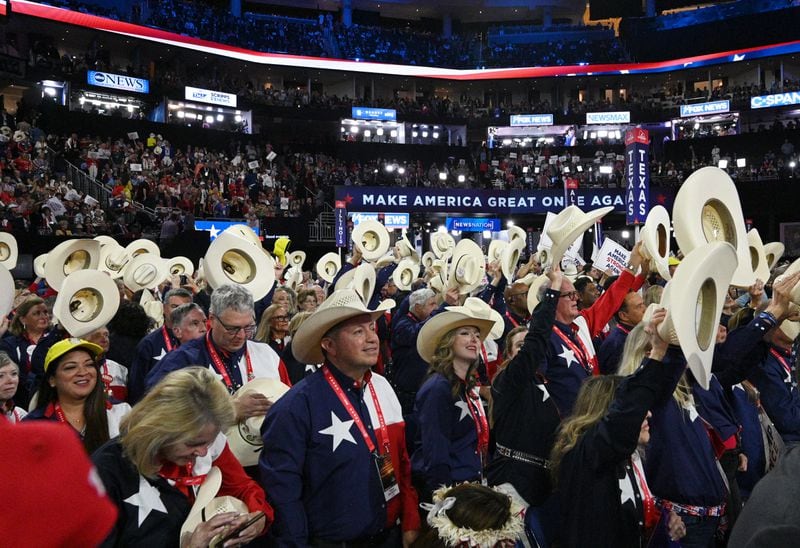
{"points": [[68, 345]]}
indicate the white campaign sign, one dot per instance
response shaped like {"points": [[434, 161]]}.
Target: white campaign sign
{"points": [[612, 256]]}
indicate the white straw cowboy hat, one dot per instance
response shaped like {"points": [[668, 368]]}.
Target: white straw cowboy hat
{"points": [[533, 291], [438, 325], [758, 259], [404, 275], [655, 240], [6, 291], [180, 266], [371, 238], [568, 226], [510, 257], [794, 294], [361, 279], [341, 306], [481, 308], [707, 209], [386, 260], [495, 250], [232, 259], [145, 271], [773, 251], [207, 504], [406, 249], [8, 250], [244, 231], [296, 259], [293, 279], [427, 259], [442, 244], [68, 257], [38, 265], [467, 266], [113, 259], [105, 240], [517, 233], [152, 307], [87, 301], [142, 245], [694, 299], [328, 266], [244, 438]]}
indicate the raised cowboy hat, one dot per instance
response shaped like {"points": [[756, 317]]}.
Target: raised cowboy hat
{"points": [[467, 266], [293, 278], [427, 259], [296, 259], [6, 291], [113, 259], [68, 257], [231, 259], [280, 248], [655, 240], [145, 271], [38, 265], [442, 245], [533, 292], [105, 240], [328, 266], [8, 250], [794, 294], [406, 249], [517, 233], [180, 266], [510, 257], [773, 251], [694, 299], [568, 226], [707, 209], [386, 260], [142, 245], [495, 250], [244, 438], [361, 279], [372, 239], [481, 307], [790, 328], [404, 275], [87, 301], [758, 259], [153, 307], [207, 504], [438, 325], [341, 306]]}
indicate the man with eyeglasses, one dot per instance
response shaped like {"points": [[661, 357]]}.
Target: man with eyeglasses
{"points": [[228, 352]]}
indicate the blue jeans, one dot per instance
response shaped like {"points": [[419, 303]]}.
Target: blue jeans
{"points": [[699, 531]]}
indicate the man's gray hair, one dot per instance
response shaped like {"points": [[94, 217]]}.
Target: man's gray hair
{"points": [[177, 292], [543, 289], [420, 296], [231, 297], [182, 311]]}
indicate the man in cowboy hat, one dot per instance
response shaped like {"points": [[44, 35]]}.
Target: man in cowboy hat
{"points": [[334, 462], [226, 350]]}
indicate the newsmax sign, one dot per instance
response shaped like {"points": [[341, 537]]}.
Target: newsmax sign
{"points": [[117, 81]]}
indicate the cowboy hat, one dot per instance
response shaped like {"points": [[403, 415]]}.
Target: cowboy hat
{"points": [[510, 257], [442, 244], [293, 279], [207, 504], [533, 291], [406, 249], [495, 250], [707, 209], [404, 275], [145, 271], [386, 260], [342, 305], [655, 240], [296, 259], [8, 250], [773, 251], [152, 307], [467, 266], [87, 300], [142, 245], [517, 233], [180, 266], [694, 299], [371, 238], [280, 248], [38, 265], [439, 281], [6, 291], [113, 259], [69, 256], [233, 259], [105, 240], [481, 307], [790, 328], [758, 259], [568, 226], [438, 325], [244, 438], [361, 279], [328, 266], [427, 259]]}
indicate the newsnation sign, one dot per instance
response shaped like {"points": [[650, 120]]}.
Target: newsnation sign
{"points": [[497, 202]]}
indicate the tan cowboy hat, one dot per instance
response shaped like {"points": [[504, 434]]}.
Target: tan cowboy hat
{"points": [[467, 266], [442, 245], [38, 265], [533, 291], [517, 233], [207, 504], [142, 245], [296, 259], [481, 308], [406, 249], [68, 257], [510, 257], [328, 266], [6, 291], [342, 305], [113, 259], [568, 226], [707, 209], [438, 325], [87, 301], [694, 299], [145, 271], [371, 238], [773, 251], [244, 438], [180, 266], [8, 250], [231, 259], [758, 259], [495, 250], [655, 240], [293, 278], [404, 275], [427, 259]]}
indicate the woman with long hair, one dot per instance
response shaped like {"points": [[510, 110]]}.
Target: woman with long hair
{"points": [[72, 393], [30, 324], [285, 297], [273, 328], [167, 444], [9, 382]]}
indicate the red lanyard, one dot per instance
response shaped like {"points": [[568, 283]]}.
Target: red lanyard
{"points": [[587, 361], [167, 341], [60, 414], [479, 418], [781, 360], [220, 367], [514, 322], [650, 512], [484, 355], [182, 476], [382, 433], [626, 331]]}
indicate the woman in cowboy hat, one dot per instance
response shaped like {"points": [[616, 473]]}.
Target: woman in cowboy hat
{"points": [[167, 445], [452, 441], [72, 393]]}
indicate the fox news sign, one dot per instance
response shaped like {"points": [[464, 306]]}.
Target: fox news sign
{"points": [[210, 96], [117, 81], [531, 120], [776, 100], [713, 107]]}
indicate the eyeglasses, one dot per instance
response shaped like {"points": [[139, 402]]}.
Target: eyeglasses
{"points": [[568, 294], [233, 330], [281, 318]]}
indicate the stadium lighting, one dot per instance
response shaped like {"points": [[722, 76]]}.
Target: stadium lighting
{"points": [[509, 223], [220, 117], [181, 114], [461, 178], [389, 168], [487, 234], [626, 234], [353, 129], [379, 131], [393, 133], [723, 164], [209, 119], [401, 170], [442, 176], [741, 162]]}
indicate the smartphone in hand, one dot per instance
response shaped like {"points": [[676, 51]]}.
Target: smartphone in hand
{"points": [[219, 540]]}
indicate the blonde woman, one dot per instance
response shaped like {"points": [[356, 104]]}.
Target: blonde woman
{"points": [[273, 328]]}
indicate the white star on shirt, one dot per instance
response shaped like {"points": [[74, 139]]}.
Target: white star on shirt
{"points": [[311, 368], [147, 499], [545, 393], [339, 430], [214, 231], [692, 410], [161, 355], [626, 489], [464, 409], [568, 355]]}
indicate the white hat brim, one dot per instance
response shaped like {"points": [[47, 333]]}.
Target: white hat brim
{"points": [[371, 238], [495, 251], [773, 252], [533, 292], [252, 268], [6, 291], [442, 245], [404, 275], [510, 257], [328, 266], [180, 266], [440, 324], [656, 240], [145, 271], [568, 226], [758, 259], [244, 438], [113, 259], [142, 245], [467, 254], [73, 314], [54, 270], [9, 250]]}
